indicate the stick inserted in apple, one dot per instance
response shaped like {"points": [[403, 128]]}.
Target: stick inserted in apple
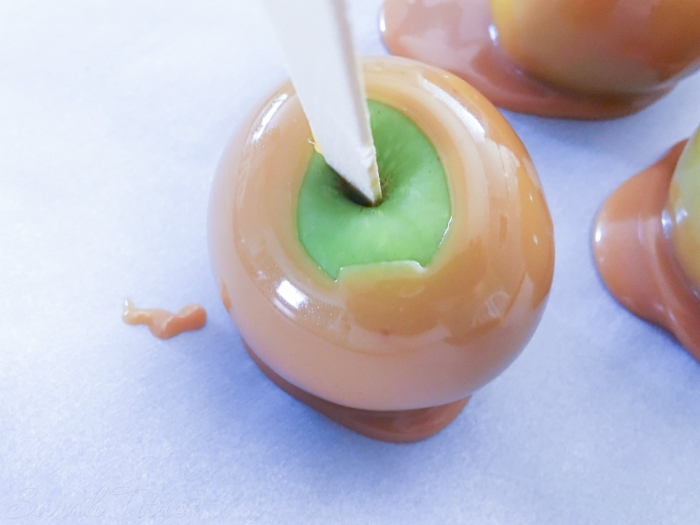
{"points": [[317, 46], [385, 318]]}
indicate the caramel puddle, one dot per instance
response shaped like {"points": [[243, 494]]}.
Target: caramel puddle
{"points": [[164, 324], [394, 426], [635, 259], [458, 35]]}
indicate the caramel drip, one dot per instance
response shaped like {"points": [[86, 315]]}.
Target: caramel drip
{"points": [[459, 36], [635, 259], [164, 324]]}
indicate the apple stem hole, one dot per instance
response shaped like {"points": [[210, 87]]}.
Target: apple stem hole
{"points": [[353, 194]]}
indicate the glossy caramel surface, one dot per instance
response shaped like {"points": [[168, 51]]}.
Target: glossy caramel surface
{"points": [[387, 336], [459, 36], [636, 259]]}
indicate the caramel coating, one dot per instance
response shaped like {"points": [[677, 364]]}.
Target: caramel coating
{"points": [[386, 336], [636, 259], [604, 47]]}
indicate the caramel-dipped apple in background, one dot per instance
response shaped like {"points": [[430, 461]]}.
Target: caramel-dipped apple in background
{"points": [[646, 243], [569, 58], [388, 343]]}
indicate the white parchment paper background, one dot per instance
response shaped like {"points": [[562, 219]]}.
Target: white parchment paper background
{"points": [[113, 115]]}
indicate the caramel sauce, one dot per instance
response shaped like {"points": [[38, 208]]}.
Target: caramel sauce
{"points": [[460, 36], [386, 337], [635, 257], [164, 324]]}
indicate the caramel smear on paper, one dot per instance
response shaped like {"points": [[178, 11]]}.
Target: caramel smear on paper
{"points": [[164, 324]]}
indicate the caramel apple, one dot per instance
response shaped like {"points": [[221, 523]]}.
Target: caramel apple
{"points": [[646, 243], [567, 58], [391, 346]]}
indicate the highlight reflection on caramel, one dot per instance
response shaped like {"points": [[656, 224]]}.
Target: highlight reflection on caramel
{"points": [[164, 324], [386, 336], [636, 259], [583, 59]]}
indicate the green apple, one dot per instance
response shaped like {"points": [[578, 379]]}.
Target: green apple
{"points": [[339, 230]]}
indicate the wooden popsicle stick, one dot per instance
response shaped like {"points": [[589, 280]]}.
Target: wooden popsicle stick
{"points": [[317, 46]]}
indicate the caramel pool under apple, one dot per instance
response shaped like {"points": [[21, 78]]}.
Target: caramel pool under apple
{"points": [[386, 338]]}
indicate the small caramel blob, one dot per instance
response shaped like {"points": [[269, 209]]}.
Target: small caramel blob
{"points": [[164, 324]]}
